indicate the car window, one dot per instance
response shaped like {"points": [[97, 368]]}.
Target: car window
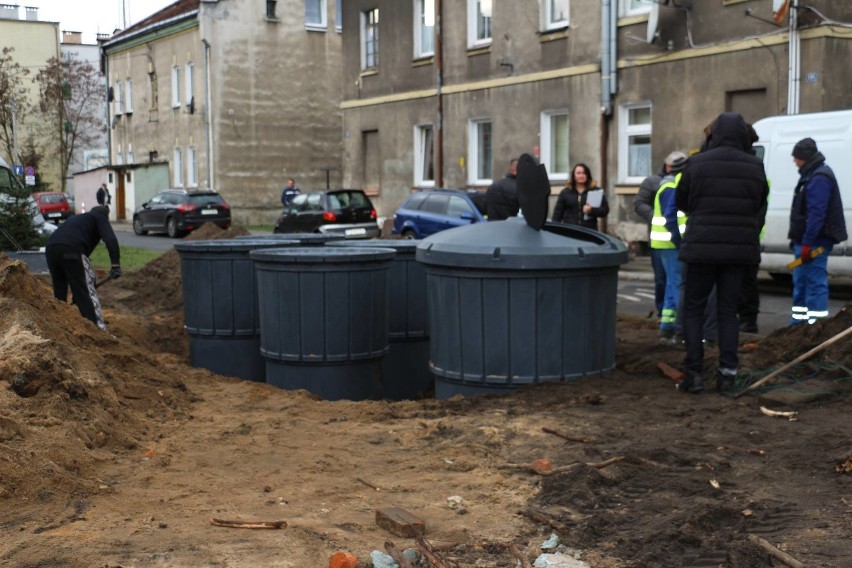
{"points": [[457, 206], [313, 203], [5, 180], [299, 202], [436, 203], [173, 199], [415, 201], [52, 198], [157, 199], [206, 199]]}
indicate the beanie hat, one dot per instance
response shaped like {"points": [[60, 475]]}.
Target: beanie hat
{"points": [[805, 149], [100, 209], [676, 160]]}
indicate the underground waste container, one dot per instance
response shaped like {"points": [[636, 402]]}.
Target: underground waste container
{"points": [[510, 305], [324, 318], [220, 305], [304, 239], [405, 368]]}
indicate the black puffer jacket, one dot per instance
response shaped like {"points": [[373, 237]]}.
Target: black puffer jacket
{"points": [[723, 191]]}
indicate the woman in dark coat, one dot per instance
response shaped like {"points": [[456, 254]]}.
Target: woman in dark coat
{"points": [[582, 202]]}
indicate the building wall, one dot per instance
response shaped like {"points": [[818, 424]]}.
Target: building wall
{"points": [[34, 43], [702, 61]]}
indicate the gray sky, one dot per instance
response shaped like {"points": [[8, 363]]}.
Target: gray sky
{"points": [[91, 16]]}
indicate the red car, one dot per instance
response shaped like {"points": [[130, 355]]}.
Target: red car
{"points": [[53, 205]]}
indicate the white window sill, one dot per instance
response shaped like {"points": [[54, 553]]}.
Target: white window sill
{"points": [[316, 28]]}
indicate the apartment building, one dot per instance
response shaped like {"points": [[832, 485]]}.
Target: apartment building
{"points": [[235, 95], [445, 93]]}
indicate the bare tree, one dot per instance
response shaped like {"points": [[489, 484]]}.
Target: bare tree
{"points": [[13, 101], [70, 93]]}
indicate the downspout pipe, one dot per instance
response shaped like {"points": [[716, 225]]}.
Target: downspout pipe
{"points": [[208, 127], [609, 66], [794, 67], [439, 83]]}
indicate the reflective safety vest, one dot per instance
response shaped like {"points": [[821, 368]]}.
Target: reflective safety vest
{"points": [[660, 236]]}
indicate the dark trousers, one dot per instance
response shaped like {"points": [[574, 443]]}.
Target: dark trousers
{"points": [[700, 279], [69, 268], [749, 303], [659, 280]]}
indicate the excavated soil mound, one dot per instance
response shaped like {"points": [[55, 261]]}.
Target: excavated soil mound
{"points": [[115, 453]]}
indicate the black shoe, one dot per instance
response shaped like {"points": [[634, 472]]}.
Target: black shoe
{"points": [[693, 383], [725, 383], [748, 327]]}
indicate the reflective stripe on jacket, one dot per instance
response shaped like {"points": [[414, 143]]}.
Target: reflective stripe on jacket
{"points": [[661, 237]]}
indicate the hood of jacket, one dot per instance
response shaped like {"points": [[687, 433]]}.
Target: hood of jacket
{"points": [[730, 129]]}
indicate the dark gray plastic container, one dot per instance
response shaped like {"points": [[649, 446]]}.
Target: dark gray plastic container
{"points": [[324, 318], [304, 239], [511, 306], [220, 305], [405, 368]]}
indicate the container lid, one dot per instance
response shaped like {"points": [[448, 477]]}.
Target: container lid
{"points": [[232, 245], [305, 238], [401, 246], [512, 245], [533, 191], [326, 254]]}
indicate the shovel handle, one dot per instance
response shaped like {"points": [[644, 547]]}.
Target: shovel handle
{"points": [[798, 262]]}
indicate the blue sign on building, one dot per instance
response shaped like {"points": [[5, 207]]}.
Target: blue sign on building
{"points": [[18, 169]]}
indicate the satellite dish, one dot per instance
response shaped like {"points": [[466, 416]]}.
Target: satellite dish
{"points": [[653, 23]]}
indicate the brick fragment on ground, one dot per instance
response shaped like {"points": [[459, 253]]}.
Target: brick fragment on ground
{"points": [[400, 522]]}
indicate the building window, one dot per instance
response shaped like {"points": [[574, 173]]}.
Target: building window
{"points": [[177, 166], [634, 142], [116, 96], [153, 94], [175, 86], [635, 7], [338, 15], [128, 98], [370, 39], [555, 14], [189, 79], [554, 144], [130, 160], [270, 9], [315, 14], [424, 156], [119, 156], [478, 22], [479, 151], [424, 28], [192, 167]]}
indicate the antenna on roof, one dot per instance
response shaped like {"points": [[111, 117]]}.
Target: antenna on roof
{"points": [[123, 13]]}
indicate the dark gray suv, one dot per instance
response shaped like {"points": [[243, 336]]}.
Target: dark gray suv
{"points": [[345, 212]]}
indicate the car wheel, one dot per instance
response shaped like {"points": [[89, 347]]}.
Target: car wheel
{"points": [[409, 234], [172, 228], [137, 227]]}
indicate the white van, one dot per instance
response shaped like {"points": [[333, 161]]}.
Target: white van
{"points": [[832, 132]]}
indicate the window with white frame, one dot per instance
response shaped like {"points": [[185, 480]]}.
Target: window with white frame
{"points": [[635, 7], [128, 96], [189, 79], [130, 158], [479, 151], [177, 167], [555, 14], [175, 86], [424, 155], [338, 15], [192, 166], [424, 28], [315, 14], [478, 22], [634, 142], [370, 39], [554, 144], [116, 96]]}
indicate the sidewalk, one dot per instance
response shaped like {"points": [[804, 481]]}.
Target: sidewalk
{"points": [[637, 268]]}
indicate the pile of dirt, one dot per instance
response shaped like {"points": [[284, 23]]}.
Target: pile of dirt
{"points": [[114, 441]]}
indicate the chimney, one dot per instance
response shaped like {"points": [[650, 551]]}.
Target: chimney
{"points": [[9, 11], [72, 37], [102, 37], [32, 13]]}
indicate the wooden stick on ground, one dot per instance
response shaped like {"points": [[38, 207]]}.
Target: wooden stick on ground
{"points": [[670, 371], [541, 517], [581, 439], [775, 552], [525, 562], [798, 359], [367, 483], [395, 553], [249, 524], [564, 468], [430, 554]]}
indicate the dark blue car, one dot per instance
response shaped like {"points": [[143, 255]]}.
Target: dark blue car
{"points": [[430, 211]]}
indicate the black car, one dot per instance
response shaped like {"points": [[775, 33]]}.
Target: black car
{"points": [[346, 212], [178, 211]]}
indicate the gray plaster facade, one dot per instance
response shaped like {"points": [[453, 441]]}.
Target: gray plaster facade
{"points": [[262, 106], [704, 59]]}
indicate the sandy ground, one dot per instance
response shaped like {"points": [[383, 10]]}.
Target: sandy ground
{"points": [[115, 453]]}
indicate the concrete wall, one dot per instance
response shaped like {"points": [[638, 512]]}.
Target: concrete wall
{"points": [[34, 43]]}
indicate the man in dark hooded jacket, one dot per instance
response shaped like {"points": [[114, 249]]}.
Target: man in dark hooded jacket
{"points": [[67, 251], [723, 191]]}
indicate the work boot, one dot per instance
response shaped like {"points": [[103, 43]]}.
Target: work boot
{"points": [[748, 327], [725, 381], [693, 383]]}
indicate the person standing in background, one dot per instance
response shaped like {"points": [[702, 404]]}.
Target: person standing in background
{"points": [[289, 192], [816, 220], [582, 202], [501, 198], [102, 196], [643, 205]]}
